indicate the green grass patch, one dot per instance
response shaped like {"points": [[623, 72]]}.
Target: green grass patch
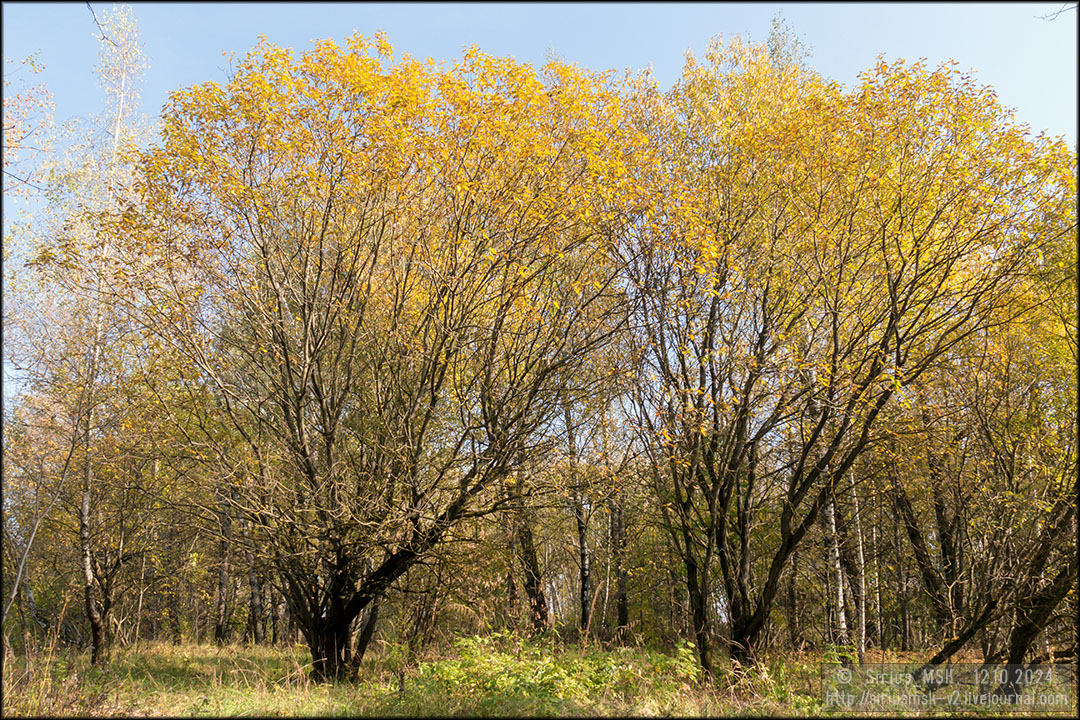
{"points": [[502, 675]]}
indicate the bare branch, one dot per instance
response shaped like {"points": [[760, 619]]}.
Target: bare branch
{"points": [[103, 35], [1065, 7]]}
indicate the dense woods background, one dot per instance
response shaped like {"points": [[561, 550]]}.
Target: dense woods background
{"points": [[359, 347]]}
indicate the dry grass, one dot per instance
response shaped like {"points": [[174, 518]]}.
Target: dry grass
{"points": [[499, 675], [479, 677]]}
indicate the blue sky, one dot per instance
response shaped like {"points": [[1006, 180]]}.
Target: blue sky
{"points": [[1032, 63]]}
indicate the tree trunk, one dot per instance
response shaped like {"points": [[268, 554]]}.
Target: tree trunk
{"points": [[584, 569], [697, 587], [533, 584], [329, 640], [424, 616], [947, 530], [618, 542], [853, 599], [367, 629], [903, 621], [98, 628], [97, 621], [792, 602], [931, 579], [829, 625], [877, 589], [1033, 613], [577, 499], [256, 622], [142, 591], [860, 569], [838, 574], [521, 536], [511, 585], [221, 620], [608, 559]]}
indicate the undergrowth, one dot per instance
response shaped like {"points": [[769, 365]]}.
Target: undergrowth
{"points": [[499, 674]]}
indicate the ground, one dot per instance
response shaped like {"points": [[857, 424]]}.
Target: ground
{"points": [[498, 675]]}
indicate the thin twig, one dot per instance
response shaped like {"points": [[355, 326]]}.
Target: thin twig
{"points": [[24, 180], [1053, 16], [103, 35]]}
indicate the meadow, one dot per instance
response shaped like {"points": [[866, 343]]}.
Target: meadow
{"points": [[499, 675]]}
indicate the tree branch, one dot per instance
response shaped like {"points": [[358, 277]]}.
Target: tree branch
{"points": [[103, 35], [1065, 7]]}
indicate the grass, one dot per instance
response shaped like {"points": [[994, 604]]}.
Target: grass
{"points": [[497, 675], [480, 676]]}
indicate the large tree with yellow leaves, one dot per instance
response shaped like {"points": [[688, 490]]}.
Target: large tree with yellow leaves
{"points": [[812, 252], [387, 270]]}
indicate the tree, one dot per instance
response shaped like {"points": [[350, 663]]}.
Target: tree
{"points": [[385, 272], [80, 338], [822, 251], [27, 120]]}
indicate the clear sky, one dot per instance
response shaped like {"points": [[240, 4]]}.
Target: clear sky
{"points": [[1032, 63]]}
